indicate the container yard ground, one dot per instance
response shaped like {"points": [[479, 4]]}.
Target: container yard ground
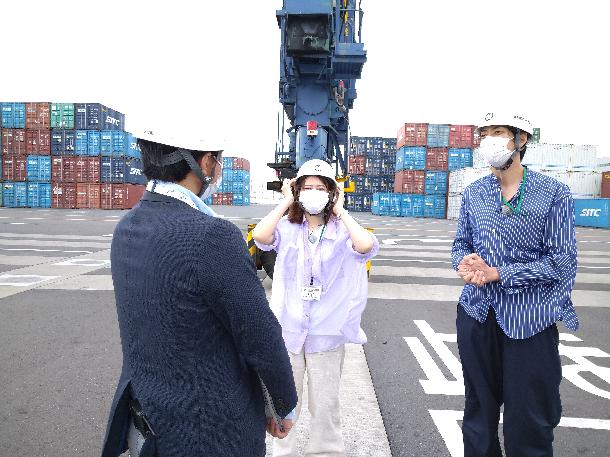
{"points": [[61, 349]]}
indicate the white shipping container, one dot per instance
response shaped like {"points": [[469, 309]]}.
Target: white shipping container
{"points": [[460, 179], [454, 202], [583, 184]]}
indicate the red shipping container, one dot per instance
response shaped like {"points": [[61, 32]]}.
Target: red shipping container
{"points": [[356, 165], [87, 169], [88, 196], [133, 195], [410, 182], [606, 184], [240, 163], [37, 116], [461, 136], [63, 195], [437, 159], [14, 168], [113, 196], [412, 135], [63, 169], [216, 199], [13, 141], [38, 142], [227, 199]]}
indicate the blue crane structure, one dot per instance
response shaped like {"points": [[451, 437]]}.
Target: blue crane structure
{"points": [[321, 57]]}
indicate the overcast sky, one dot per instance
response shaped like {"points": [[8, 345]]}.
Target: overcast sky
{"points": [[214, 66]]}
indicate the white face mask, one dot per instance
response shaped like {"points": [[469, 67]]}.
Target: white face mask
{"points": [[495, 150], [314, 201]]}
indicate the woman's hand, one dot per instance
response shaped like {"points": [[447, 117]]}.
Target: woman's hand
{"points": [[338, 206], [287, 188]]}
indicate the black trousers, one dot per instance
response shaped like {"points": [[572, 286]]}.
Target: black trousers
{"points": [[523, 375]]}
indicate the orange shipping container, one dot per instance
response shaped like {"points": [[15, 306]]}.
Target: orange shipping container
{"points": [[437, 159], [606, 184], [63, 195], [14, 168], [37, 116], [412, 135], [113, 196], [38, 142], [88, 196], [133, 195], [356, 165], [410, 182], [13, 141]]}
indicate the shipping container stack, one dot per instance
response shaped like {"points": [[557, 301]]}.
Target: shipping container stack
{"points": [[69, 155], [574, 165], [425, 155], [234, 188], [371, 164]]}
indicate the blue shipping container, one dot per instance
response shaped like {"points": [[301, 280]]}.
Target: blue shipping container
{"points": [[227, 163], [411, 158], [438, 135], [112, 170], [14, 194], [412, 205], [38, 168], [459, 158], [133, 171], [106, 143], [80, 143], [119, 143], [592, 212], [436, 182], [63, 142], [133, 148], [95, 116], [39, 195], [13, 115], [93, 143], [435, 206]]}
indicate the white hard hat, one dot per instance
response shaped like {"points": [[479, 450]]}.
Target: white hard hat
{"points": [[316, 167], [513, 120], [189, 142]]}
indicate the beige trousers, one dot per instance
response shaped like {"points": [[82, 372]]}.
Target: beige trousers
{"points": [[323, 380]]}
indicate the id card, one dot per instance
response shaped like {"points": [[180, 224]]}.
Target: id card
{"points": [[311, 293]]}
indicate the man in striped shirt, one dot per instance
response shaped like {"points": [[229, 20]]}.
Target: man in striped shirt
{"points": [[515, 249]]}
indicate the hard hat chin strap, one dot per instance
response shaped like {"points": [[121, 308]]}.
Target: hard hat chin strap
{"points": [[183, 154]]}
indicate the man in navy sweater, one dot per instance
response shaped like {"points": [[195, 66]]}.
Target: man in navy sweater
{"points": [[197, 333]]}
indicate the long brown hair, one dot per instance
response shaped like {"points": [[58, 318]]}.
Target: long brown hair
{"points": [[296, 211]]}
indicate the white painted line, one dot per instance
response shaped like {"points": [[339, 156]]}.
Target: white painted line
{"points": [[110, 220], [447, 422], [109, 235], [76, 219], [23, 280], [31, 250], [4, 217], [34, 218], [84, 263], [18, 223]]}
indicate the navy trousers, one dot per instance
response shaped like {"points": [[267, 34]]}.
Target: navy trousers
{"points": [[522, 375]]}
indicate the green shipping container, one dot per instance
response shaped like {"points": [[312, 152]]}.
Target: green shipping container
{"points": [[62, 115], [536, 136]]}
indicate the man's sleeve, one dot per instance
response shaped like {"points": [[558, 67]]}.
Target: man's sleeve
{"points": [[256, 331], [462, 244], [559, 260]]}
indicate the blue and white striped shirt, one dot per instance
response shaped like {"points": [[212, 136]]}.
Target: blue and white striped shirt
{"points": [[534, 251]]}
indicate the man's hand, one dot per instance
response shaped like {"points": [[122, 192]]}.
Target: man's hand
{"points": [[274, 430], [287, 188], [474, 270]]}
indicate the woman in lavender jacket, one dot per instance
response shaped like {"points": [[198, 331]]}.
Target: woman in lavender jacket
{"points": [[319, 293]]}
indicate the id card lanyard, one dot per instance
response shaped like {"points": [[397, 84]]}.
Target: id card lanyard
{"points": [[506, 203], [311, 292]]}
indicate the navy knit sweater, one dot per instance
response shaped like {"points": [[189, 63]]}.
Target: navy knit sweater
{"points": [[195, 329]]}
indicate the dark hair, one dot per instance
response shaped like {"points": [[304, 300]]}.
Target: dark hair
{"points": [[151, 155], [514, 131], [296, 211]]}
